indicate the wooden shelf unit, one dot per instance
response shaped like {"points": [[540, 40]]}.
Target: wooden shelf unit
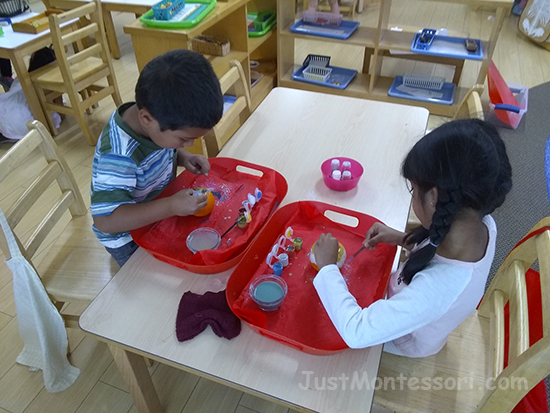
{"points": [[378, 42], [228, 19]]}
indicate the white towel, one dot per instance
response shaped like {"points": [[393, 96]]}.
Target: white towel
{"points": [[41, 327]]}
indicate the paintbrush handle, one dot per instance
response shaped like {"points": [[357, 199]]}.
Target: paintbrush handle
{"points": [[229, 229], [357, 252]]}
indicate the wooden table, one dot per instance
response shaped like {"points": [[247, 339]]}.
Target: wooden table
{"points": [[292, 131], [15, 46]]}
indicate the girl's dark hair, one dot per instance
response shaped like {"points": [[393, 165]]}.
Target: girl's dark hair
{"points": [[180, 90], [466, 161]]}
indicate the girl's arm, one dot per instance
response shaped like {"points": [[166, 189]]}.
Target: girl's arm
{"points": [[425, 300]]}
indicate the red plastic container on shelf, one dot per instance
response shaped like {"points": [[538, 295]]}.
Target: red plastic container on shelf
{"points": [[356, 170], [301, 321], [230, 180]]}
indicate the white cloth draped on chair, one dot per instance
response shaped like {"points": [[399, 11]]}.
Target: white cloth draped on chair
{"points": [[41, 327]]}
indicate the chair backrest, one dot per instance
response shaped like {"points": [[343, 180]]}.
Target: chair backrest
{"points": [[91, 25], [41, 213], [525, 361], [233, 81], [470, 106]]}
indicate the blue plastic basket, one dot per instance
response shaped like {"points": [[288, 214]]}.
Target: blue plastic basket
{"points": [[167, 9]]}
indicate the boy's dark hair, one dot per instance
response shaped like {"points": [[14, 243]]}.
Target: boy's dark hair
{"points": [[180, 90], [466, 160]]}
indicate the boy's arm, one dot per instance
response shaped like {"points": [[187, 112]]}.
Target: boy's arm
{"points": [[197, 164], [127, 217], [114, 208], [131, 216]]}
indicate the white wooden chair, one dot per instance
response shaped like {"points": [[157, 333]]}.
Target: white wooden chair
{"points": [[234, 82], [79, 73], [76, 266], [470, 369]]}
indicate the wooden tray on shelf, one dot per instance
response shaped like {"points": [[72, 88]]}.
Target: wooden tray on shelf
{"points": [[35, 24]]}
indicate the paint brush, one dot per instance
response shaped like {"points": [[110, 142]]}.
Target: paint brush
{"points": [[240, 219], [350, 259]]}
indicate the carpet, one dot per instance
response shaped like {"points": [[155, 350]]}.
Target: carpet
{"points": [[527, 203]]}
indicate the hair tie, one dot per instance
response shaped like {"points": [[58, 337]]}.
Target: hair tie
{"points": [[433, 244]]}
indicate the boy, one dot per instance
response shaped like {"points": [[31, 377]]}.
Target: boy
{"points": [[178, 100]]}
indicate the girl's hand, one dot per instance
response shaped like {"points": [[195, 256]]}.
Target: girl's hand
{"points": [[197, 164], [184, 203], [326, 250], [380, 233]]}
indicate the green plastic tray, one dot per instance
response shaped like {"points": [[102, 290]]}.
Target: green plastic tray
{"points": [[191, 21], [270, 23]]}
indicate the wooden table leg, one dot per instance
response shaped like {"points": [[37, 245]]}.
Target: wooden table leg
{"points": [[28, 89], [111, 33], [138, 380]]}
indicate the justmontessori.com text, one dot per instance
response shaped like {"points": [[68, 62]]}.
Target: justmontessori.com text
{"points": [[362, 381]]}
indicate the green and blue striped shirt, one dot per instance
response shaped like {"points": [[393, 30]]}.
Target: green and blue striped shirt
{"points": [[127, 169]]}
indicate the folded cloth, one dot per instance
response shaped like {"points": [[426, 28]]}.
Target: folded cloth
{"points": [[196, 312]]}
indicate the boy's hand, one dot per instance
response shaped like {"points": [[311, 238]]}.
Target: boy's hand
{"points": [[184, 203], [197, 164], [380, 233], [326, 250]]}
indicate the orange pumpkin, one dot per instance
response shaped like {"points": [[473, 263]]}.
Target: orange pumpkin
{"points": [[341, 257], [210, 202]]}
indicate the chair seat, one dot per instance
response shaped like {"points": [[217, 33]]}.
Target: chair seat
{"points": [[77, 266], [80, 71], [439, 375]]}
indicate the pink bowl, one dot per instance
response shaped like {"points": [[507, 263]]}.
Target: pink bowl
{"points": [[342, 185]]}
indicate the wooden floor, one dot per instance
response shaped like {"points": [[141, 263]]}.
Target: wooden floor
{"points": [[100, 387]]}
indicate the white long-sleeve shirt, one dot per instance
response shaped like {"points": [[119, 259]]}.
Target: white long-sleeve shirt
{"points": [[416, 319]]}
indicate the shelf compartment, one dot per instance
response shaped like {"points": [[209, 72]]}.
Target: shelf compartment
{"points": [[383, 84], [255, 42], [401, 41], [357, 88], [338, 78], [447, 46], [363, 36], [342, 32], [443, 96]]}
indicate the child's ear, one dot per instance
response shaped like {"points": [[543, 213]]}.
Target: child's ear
{"points": [[432, 197], [145, 118]]}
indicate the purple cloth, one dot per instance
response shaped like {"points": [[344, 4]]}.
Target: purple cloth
{"points": [[196, 312]]}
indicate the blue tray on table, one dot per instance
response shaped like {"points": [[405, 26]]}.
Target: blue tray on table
{"points": [[444, 96], [343, 31], [447, 46], [339, 78]]}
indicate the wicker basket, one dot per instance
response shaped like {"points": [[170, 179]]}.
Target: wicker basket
{"points": [[213, 45], [10, 8]]}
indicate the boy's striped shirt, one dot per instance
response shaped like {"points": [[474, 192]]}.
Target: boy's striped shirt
{"points": [[127, 169]]}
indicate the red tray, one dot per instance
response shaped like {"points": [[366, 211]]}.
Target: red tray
{"points": [[166, 239], [301, 321]]}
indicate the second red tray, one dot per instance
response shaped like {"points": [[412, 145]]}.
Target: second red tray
{"points": [[301, 321]]}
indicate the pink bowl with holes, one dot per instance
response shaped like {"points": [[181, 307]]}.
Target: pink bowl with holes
{"points": [[342, 185]]}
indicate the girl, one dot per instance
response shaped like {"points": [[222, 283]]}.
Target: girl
{"points": [[457, 175]]}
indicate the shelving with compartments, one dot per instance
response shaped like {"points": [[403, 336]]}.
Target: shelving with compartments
{"points": [[227, 20], [378, 43]]}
